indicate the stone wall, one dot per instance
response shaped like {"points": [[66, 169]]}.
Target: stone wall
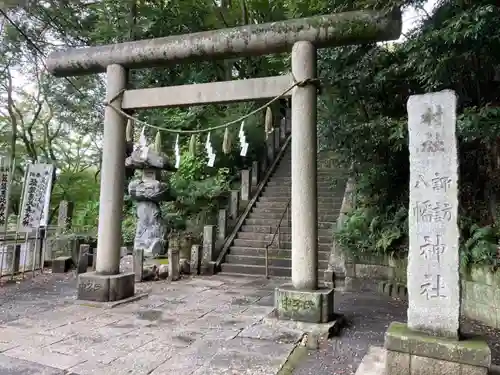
{"points": [[365, 272], [387, 275], [481, 295]]}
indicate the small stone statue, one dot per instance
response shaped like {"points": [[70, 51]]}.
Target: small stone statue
{"points": [[149, 192]]}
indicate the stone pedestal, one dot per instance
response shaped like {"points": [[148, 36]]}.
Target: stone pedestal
{"points": [[415, 353], [310, 306], [61, 264], [105, 288]]}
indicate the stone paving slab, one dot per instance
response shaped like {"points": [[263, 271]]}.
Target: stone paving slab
{"points": [[195, 326], [13, 366]]}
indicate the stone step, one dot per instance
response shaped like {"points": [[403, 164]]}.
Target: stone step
{"points": [[330, 204], [241, 269], [286, 173], [244, 269], [274, 222], [261, 261], [322, 209], [283, 229], [283, 200], [329, 218], [279, 236], [283, 244], [277, 181], [322, 174], [287, 190], [286, 196], [273, 253]]}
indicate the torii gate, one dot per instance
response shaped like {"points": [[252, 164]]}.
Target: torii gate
{"points": [[302, 300]]}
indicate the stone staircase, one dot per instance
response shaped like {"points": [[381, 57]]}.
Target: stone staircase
{"points": [[246, 255]]}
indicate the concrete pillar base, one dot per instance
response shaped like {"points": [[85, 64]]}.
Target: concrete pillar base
{"points": [[105, 288], [310, 306], [433, 355]]}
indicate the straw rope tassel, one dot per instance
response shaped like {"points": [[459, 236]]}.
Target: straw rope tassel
{"points": [[192, 145], [226, 144], [269, 122]]}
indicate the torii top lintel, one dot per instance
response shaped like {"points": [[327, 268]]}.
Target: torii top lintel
{"points": [[336, 29]]}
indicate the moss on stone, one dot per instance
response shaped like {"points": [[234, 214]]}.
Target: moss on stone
{"points": [[400, 338], [295, 357]]}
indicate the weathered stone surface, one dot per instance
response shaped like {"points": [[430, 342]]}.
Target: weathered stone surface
{"points": [[397, 363], [11, 256], [83, 258], [208, 247], [61, 264], [163, 271], [64, 215], [433, 261], [255, 174], [150, 271], [234, 204], [44, 356], [323, 31], [138, 265], [184, 266], [105, 288], [195, 259], [124, 251], [15, 366], [475, 352], [246, 185], [149, 190], [121, 286], [277, 334], [151, 231], [173, 264], [222, 224], [314, 306], [270, 147], [147, 158]]}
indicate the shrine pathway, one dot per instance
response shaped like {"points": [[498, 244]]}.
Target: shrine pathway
{"points": [[196, 326]]}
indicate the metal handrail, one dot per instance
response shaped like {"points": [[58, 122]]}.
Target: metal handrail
{"points": [[276, 232]]}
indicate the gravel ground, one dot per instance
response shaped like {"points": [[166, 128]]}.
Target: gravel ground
{"points": [[32, 296], [369, 316]]}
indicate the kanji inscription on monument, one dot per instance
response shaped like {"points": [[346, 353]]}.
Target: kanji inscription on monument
{"points": [[36, 192], [4, 189], [433, 261]]}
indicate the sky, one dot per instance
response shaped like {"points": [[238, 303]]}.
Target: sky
{"points": [[412, 16]]}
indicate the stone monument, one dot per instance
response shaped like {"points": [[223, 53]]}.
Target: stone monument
{"points": [[149, 191], [431, 342]]}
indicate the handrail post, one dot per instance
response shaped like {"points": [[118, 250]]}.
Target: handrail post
{"points": [[279, 235], [267, 261]]}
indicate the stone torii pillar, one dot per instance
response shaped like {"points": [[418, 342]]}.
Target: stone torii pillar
{"points": [[302, 300]]}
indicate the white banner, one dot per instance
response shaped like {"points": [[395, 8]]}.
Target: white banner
{"points": [[36, 197], [4, 190]]}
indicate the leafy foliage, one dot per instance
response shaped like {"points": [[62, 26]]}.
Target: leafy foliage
{"points": [[456, 47]]}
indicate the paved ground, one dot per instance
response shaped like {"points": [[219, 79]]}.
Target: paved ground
{"points": [[195, 326]]}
